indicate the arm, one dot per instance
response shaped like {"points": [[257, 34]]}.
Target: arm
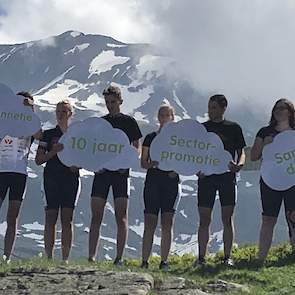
{"points": [[136, 144], [42, 156], [256, 150], [145, 160], [238, 165]]}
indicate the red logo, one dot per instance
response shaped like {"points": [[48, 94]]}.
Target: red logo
{"points": [[8, 141]]}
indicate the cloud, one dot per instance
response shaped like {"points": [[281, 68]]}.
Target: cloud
{"points": [[16, 119], [118, 19], [278, 164], [94, 144], [244, 49], [187, 148]]}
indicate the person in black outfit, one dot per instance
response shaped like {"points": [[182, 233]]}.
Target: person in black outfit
{"points": [[282, 118], [61, 184], [160, 194], [233, 140], [118, 180]]}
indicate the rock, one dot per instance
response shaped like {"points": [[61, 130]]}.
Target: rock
{"points": [[223, 286], [63, 281]]}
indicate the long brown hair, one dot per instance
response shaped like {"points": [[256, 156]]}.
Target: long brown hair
{"points": [[273, 122]]}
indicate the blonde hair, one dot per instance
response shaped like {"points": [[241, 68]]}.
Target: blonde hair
{"points": [[67, 103], [166, 107]]}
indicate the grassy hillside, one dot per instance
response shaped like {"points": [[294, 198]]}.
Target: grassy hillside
{"points": [[275, 277]]}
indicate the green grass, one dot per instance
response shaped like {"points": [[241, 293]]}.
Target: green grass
{"points": [[277, 277]]}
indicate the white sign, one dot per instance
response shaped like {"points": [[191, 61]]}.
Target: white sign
{"points": [[187, 148], [94, 144], [278, 161], [16, 119]]}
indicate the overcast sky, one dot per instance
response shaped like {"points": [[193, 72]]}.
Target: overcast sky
{"points": [[242, 48]]}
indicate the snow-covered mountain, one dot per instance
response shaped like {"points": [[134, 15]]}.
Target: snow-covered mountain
{"points": [[78, 67]]}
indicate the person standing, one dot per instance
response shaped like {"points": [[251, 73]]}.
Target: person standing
{"points": [[14, 152], [61, 184], [161, 190], [282, 119], [233, 140], [118, 180]]}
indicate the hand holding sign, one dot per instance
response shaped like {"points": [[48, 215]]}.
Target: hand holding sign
{"points": [[94, 144], [16, 119], [187, 148], [278, 161]]}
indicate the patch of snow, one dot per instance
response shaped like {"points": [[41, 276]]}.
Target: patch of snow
{"points": [[54, 81], [78, 225], [80, 48], [75, 34], [110, 208], [203, 119], [33, 236], [94, 102], [138, 116], [3, 227], [105, 61], [115, 45], [33, 226], [184, 112], [133, 100], [182, 213], [108, 257]]}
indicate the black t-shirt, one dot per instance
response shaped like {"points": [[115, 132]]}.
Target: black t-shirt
{"points": [[126, 123], [267, 131], [147, 143], [230, 133], [53, 165]]}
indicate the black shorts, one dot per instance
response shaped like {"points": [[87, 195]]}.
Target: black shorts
{"points": [[271, 199], [208, 186], [104, 180], [15, 182], [61, 190], [161, 191]]}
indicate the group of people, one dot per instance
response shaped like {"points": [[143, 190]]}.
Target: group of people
{"points": [[161, 189]]}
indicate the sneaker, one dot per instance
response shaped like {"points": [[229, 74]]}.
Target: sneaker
{"points": [[200, 262], [144, 265], [5, 259], [228, 262], [91, 259], [118, 262], [65, 262], [164, 265]]}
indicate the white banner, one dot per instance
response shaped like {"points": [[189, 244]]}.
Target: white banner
{"points": [[94, 144], [278, 161], [16, 119], [187, 148]]}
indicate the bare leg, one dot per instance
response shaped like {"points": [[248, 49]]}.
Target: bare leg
{"points": [[12, 220], [49, 231], [67, 231], [203, 232], [266, 233], [228, 229], [290, 216], [121, 208], [150, 224], [97, 209], [167, 224]]}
